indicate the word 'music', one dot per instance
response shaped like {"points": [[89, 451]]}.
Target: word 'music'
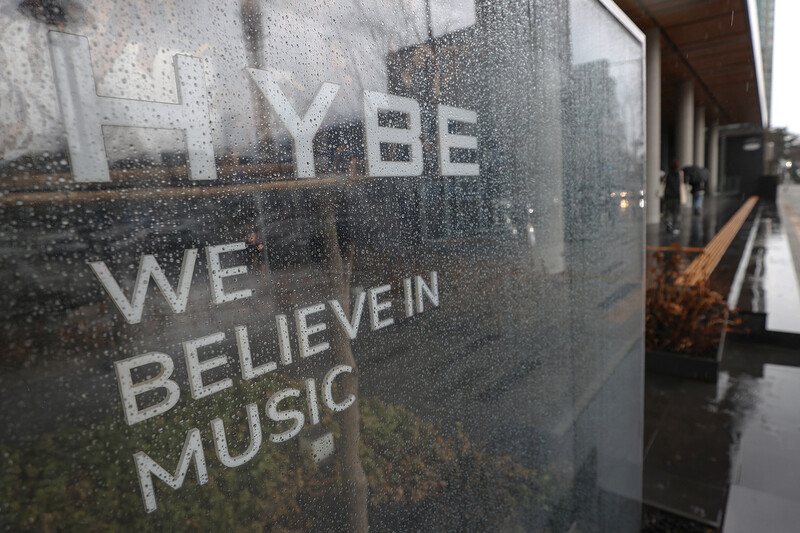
{"points": [[85, 113]]}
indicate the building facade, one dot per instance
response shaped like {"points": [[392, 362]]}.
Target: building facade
{"points": [[708, 67]]}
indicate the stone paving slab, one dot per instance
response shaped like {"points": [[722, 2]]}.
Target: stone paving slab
{"points": [[754, 511]]}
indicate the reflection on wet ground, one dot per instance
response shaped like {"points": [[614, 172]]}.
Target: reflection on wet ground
{"points": [[728, 454], [696, 230], [770, 284], [767, 463], [704, 440]]}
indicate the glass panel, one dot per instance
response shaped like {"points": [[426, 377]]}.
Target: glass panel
{"points": [[308, 265]]}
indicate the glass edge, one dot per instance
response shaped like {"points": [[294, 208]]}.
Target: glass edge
{"points": [[623, 19]]}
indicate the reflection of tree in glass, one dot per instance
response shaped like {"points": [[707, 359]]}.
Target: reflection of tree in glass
{"points": [[340, 268], [355, 483]]}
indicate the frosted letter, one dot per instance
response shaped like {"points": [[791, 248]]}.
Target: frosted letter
{"points": [[281, 416], [375, 308], [431, 292], [449, 140], [221, 442], [304, 331], [246, 359], [217, 273], [377, 135], [301, 130], [327, 389], [146, 468], [195, 368], [129, 390], [85, 113], [350, 327]]}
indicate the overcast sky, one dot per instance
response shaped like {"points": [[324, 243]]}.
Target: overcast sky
{"points": [[786, 68]]}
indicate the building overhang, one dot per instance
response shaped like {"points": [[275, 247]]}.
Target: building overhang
{"points": [[716, 43]]}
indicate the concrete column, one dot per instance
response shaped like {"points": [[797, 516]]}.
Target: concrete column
{"points": [[684, 124], [713, 157], [700, 136], [653, 123]]}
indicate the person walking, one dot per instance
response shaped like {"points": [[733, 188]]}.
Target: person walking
{"points": [[697, 177], [673, 182]]}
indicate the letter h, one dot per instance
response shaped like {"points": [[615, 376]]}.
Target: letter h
{"points": [[85, 113]]}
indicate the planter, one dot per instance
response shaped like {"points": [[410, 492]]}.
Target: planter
{"points": [[686, 366]]}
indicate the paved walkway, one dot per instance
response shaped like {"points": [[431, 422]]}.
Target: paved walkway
{"points": [[728, 454], [765, 478], [768, 281], [696, 230]]}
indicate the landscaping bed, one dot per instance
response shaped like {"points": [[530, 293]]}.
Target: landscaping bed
{"points": [[686, 325]]}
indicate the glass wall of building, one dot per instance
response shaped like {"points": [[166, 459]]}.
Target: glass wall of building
{"points": [[301, 265]]}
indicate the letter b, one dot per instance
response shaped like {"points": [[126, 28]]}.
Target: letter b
{"points": [[129, 390]]}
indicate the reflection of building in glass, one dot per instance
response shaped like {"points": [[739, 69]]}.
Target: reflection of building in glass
{"points": [[535, 349], [442, 70], [599, 165], [453, 70]]}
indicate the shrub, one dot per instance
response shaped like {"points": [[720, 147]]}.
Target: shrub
{"points": [[682, 318]]}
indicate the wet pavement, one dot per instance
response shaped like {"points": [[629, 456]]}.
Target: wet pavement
{"points": [[727, 454], [696, 230], [711, 446], [765, 491], [769, 285]]}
